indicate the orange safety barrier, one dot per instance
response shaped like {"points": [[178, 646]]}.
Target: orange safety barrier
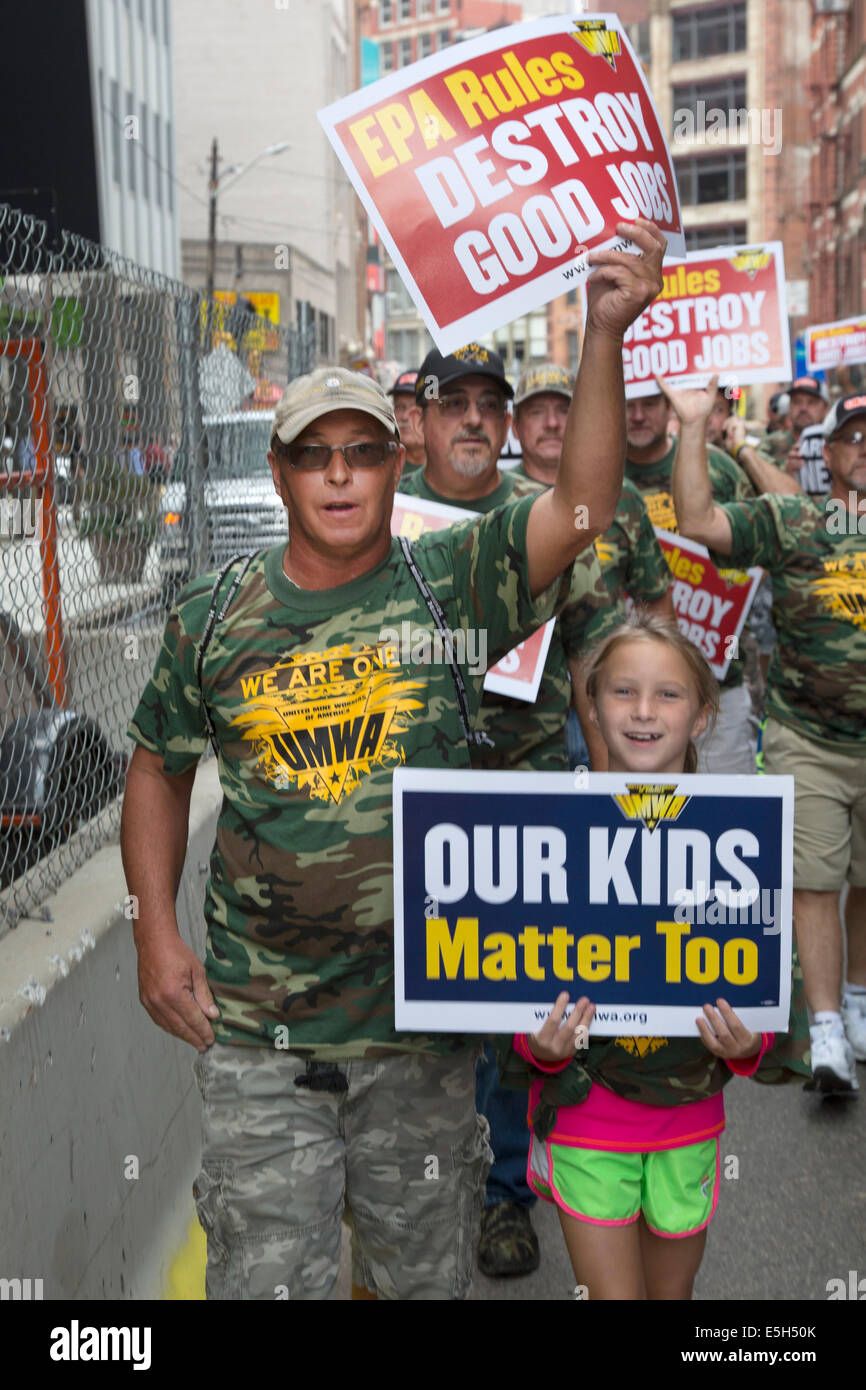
{"points": [[42, 476]]}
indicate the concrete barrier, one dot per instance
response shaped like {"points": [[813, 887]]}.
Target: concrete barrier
{"points": [[92, 1092]]}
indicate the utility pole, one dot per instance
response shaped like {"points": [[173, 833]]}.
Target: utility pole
{"points": [[211, 242]]}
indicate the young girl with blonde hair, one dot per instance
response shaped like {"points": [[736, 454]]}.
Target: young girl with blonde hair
{"points": [[625, 1132]]}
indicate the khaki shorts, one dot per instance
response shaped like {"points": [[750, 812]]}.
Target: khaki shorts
{"points": [[402, 1151], [829, 808]]}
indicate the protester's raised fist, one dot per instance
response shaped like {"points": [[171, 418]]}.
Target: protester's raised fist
{"points": [[734, 432], [691, 406], [623, 284]]}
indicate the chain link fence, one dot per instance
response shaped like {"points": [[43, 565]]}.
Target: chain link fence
{"points": [[135, 424]]}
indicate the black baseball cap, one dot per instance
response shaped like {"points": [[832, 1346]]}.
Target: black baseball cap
{"points": [[405, 383], [812, 386], [843, 410], [472, 360]]}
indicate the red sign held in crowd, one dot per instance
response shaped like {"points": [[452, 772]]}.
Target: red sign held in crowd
{"points": [[722, 311], [711, 605], [491, 169], [837, 344], [519, 672]]}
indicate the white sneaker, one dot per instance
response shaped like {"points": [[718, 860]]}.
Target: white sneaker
{"points": [[854, 1019], [833, 1066]]}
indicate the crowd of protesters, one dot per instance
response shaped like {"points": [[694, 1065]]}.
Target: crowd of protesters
{"points": [[316, 1110]]}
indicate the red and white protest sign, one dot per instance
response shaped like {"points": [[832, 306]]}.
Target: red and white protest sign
{"points": [[721, 311], [835, 344], [711, 605], [519, 672], [491, 168]]}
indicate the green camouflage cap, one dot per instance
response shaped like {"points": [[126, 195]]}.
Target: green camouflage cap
{"points": [[307, 398], [546, 377]]}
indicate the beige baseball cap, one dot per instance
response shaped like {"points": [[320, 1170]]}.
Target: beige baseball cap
{"points": [[546, 377], [307, 398]]}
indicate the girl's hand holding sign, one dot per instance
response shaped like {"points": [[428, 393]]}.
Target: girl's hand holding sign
{"points": [[557, 1040]]}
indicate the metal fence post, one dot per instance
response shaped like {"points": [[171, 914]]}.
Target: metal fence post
{"points": [[193, 436]]}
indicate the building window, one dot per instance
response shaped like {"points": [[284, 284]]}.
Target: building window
{"points": [[712, 179], [405, 9], [142, 144], [405, 53], [131, 156], [398, 296], [114, 115], [573, 350], [571, 297], [424, 7], [444, 38], [386, 12], [640, 39], [324, 335], [702, 238], [157, 160], [425, 45], [708, 32], [387, 52], [725, 94]]}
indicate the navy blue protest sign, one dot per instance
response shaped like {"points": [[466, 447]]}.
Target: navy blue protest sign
{"points": [[649, 895]]}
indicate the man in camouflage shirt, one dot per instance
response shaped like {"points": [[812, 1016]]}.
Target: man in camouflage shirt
{"points": [[313, 1102], [808, 399], [815, 553]]}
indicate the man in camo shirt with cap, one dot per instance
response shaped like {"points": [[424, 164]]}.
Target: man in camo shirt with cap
{"points": [[313, 1101], [815, 553]]}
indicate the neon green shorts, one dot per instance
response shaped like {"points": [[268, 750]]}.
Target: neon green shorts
{"points": [[676, 1189]]}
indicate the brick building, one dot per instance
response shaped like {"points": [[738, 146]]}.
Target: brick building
{"points": [[837, 185]]}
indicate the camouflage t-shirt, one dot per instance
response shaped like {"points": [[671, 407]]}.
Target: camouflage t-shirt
{"points": [[729, 484], [817, 677], [531, 737], [313, 709], [778, 445], [631, 557]]}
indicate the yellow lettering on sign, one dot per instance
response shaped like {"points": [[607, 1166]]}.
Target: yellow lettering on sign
{"points": [[370, 145], [431, 123], [501, 963], [593, 957], [445, 951]]}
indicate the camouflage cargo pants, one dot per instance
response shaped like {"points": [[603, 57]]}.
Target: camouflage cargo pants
{"points": [[402, 1150]]}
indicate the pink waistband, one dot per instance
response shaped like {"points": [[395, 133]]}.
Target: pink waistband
{"points": [[608, 1121]]}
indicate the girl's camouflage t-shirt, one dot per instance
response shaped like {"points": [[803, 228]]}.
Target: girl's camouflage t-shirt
{"points": [[316, 696]]}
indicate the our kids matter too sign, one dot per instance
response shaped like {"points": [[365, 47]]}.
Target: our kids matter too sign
{"points": [[492, 168], [650, 895]]}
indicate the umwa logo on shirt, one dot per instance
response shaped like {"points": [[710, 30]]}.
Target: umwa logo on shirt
{"points": [[843, 588], [321, 721]]}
